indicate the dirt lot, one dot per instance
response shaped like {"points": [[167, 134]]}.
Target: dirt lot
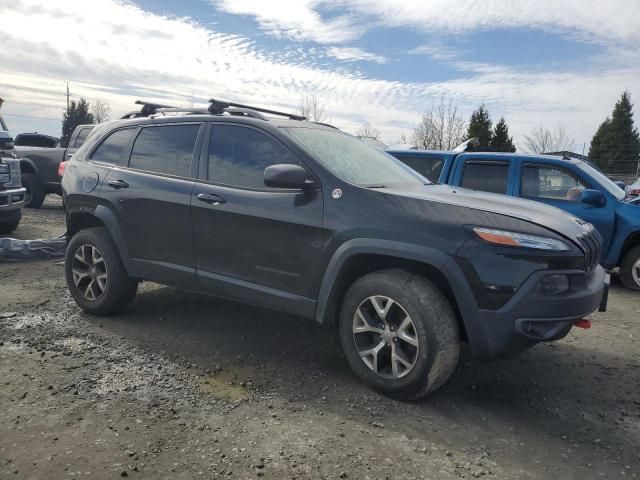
{"points": [[185, 386]]}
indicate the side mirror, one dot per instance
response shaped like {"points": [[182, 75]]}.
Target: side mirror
{"points": [[621, 185], [286, 175], [593, 197]]}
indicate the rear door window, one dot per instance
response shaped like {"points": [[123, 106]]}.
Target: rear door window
{"points": [[429, 167], [485, 175], [111, 149], [166, 149]]}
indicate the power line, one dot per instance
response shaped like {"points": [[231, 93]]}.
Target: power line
{"points": [[30, 104], [32, 116]]}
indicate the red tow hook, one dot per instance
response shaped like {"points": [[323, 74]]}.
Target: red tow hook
{"points": [[583, 323]]}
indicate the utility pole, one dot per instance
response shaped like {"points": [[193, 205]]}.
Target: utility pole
{"points": [[68, 95]]}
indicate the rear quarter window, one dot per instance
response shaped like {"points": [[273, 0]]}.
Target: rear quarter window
{"points": [[112, 147]]}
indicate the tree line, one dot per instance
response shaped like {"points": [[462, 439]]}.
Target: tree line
{"points": [[442, 127], [82, 113], [616, 140]]}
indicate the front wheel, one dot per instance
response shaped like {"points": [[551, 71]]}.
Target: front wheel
{"points": [[630, 269], [95, 275], [399, 333]]}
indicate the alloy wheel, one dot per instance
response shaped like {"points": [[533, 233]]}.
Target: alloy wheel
{"points": [[635, 272], [385, 337], [89, 272]]}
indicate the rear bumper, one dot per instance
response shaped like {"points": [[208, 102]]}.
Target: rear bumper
{"points": [[11, 200], [530, 318]]}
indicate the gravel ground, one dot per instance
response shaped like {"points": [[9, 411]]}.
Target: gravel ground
{"points": [[186, 386]]}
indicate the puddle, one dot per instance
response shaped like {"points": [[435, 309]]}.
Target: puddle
{"points": [[226, 385]]}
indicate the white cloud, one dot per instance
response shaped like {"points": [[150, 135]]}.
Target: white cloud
{"points": [[293, 18], [592, 20], [355, 54], [437, 51], [118, 52]]}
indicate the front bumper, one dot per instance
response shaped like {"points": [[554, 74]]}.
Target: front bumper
{"points": [[529, 318], [12, 199]]}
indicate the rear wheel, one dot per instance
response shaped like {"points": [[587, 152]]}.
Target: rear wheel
{"points": [[399, 333], [630, 269], [34, 197], [95, 275]]}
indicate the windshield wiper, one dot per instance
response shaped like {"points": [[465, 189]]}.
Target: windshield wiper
{"points": [[376, 186]]}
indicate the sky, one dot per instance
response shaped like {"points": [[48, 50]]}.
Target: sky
{"points": [[535, 62]]}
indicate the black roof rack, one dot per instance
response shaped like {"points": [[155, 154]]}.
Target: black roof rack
{"points": [[216, 107]]}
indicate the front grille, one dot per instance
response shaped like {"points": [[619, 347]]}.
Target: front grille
{"points": [[591, 243]]}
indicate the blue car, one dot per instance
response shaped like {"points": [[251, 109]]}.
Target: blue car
{"points": [[569, 184]]}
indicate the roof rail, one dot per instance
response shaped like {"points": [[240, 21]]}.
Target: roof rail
{"points": [[216, 107], [147, 109], [219, 106]]}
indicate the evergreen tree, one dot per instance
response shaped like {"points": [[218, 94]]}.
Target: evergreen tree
{"points": [[500, 140], [77, 114], [617, 139], [480, 127]]}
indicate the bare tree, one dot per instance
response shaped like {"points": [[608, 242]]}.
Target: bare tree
{"points": [[311, 108], [541, 139], [101, 111], [441, 127], [368, 130]]}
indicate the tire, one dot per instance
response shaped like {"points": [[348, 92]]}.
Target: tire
{"points": [[8, 227], [434, 347], [630, 269], [35, 191], [99, 275]]}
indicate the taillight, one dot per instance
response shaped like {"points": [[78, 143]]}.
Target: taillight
{"points": [[61, 168]]}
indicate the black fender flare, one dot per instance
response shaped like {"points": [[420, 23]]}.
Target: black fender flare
{"points": [[434, 258], [109, 220], [29, 162]]}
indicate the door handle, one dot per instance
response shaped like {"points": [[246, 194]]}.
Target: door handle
{"points": [[211, 198], [117, 184]]}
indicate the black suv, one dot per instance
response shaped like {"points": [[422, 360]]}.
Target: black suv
{"points": [[303, 218]]}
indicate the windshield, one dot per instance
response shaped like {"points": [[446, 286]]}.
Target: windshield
{"points": [[611, 187], [354, 161]]}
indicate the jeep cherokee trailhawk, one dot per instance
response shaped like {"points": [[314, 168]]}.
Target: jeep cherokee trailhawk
{"points": [[302, 218]]}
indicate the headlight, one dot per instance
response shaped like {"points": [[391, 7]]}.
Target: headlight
{"points": [[514, 239]]}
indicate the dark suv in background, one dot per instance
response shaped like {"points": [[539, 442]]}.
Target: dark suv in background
{"points": [[302, 218]]}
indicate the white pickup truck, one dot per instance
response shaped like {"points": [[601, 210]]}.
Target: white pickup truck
{"points": [[12, 194]]}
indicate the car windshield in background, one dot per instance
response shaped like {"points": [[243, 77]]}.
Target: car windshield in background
{"points": [[352, 160], [611, 187]]}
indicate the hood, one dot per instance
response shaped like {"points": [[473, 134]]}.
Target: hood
{"points": [[534, 212]]}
